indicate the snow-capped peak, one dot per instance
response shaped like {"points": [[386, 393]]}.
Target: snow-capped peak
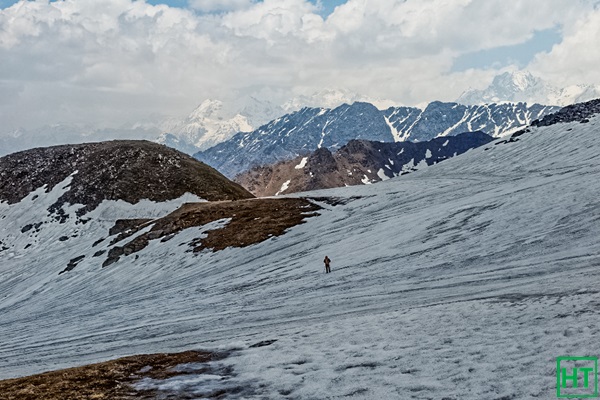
{"points": [[519, 80], [209, 108], [215, 121], [522, 86]]}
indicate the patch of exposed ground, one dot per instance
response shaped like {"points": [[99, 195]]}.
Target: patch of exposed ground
{"points": [[250, 221], [110, 380]]}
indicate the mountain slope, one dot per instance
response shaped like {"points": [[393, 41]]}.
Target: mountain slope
{"points": [[309, 129], [117, 170], [442, 281], [358, 162]]}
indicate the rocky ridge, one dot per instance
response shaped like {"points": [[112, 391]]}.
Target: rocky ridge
{"points": [[575, 112], [116, 170], [107, 181], [358, 162]]}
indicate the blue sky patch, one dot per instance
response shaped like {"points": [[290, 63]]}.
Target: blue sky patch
{"points": [[327, 5], [520, 54]]}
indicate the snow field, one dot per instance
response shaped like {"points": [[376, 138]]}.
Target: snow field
{"points": [[464, 280]]}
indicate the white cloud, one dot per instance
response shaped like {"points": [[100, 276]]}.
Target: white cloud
{"points": [[219, 5], [273, 20], [110, 61], [576, 59]]}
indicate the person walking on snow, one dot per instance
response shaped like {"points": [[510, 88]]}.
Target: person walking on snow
{"points": [[327, 261]]}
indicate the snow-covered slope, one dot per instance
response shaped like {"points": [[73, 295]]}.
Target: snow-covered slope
{"points": [[464, 280], [522, 86]]}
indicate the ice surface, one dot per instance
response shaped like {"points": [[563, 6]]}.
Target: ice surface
{"points": [[464, 280]]}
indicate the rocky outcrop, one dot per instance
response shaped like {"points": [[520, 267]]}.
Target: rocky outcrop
{"points": [[116, 170], [576, 112]]}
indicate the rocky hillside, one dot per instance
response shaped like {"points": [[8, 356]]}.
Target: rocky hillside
{"points": [[117, 170], [358, 162], [309, 129]]}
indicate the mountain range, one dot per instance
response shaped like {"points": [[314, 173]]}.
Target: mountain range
{"points": [[215, 121], [204, 128], [304, 131]]}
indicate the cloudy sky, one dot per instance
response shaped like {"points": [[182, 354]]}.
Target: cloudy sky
{"points": [[109, 62]]}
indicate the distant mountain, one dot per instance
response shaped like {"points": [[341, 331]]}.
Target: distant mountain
{"points": [[522, 86], [358, 162], [214, 121], [304, 131]]}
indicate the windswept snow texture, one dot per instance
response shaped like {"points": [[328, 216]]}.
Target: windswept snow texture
{"points": [[461, 281]]}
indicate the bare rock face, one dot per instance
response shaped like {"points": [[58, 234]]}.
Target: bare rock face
{"points": [[125, 170], [358, 162]]}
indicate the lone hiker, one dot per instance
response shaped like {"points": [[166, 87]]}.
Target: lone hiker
{"points": [[327, 261]]}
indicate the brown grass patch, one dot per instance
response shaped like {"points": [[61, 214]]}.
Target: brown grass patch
{"points": [[252, 221], [110, 380]]}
